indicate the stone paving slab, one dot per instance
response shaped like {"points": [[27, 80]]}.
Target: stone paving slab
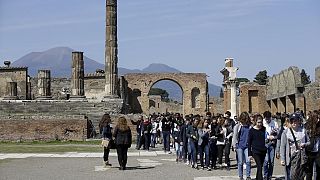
{"points": [[78, 155], [148, 153]]}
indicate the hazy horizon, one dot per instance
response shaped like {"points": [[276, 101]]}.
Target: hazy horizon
{"points": [[189, 35]]}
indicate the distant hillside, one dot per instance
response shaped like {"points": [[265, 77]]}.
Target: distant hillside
{"points": [[58, 60]]}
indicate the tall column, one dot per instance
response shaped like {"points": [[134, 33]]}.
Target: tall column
{"points": [[11, 91], [233, 98], [77, 76], [28, 88], [44, 84], [111, 49]]}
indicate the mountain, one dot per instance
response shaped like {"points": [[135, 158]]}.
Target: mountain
{"points": [[58, 60]]}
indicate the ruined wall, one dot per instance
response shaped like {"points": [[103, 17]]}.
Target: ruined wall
{"points": [[94, 86], [253, 98], [158, 106], [139, 85], [312, 96], [216, 105], [14, 74], [59, 87], [284, 84], [43, 128]]}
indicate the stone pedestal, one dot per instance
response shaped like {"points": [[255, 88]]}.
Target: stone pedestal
{"points": [[44, 85], [77, 77], [11, 91]]}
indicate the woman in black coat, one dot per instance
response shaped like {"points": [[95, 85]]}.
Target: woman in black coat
{"points": [[123, 140]]}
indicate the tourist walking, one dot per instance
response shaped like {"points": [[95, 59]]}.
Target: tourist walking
{"points": [[193, 136], [123, 140], [292, 153], [240, 143], [138, 124], [271, 141], [312, 151], [203, 143], [106, 132], [256, 145]]}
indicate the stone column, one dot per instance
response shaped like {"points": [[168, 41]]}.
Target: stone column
{"points": [[290, 103], [282, 104], [233, 98], [28, 88], [111, 49], [300, 102], [11, 91], [274, 106], [44, 84], [77, 76]]}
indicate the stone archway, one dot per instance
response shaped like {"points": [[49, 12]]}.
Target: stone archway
{"points": [[187, 81]]}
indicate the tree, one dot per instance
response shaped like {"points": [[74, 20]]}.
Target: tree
{"points": [[157, 91], [240, 80], [221, 93], [305, 78], [261, 78]]}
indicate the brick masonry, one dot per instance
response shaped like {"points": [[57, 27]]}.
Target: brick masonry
{"points": [[43, 128]]}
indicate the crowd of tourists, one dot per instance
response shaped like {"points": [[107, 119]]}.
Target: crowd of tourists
{"points": [[204, 142]]}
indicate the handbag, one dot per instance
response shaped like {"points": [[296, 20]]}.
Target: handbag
{"points": [[105, 143], [298, 161], [112, 144]]}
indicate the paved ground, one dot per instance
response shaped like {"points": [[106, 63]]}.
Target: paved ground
{"points": [[141, 165]]}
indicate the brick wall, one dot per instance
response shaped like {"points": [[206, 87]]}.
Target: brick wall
{"points": [[43, 128]]}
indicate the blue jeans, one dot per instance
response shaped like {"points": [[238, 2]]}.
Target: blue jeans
{"points": [[287, 172], [193, 151], [269, 162], [153, 139], [243, 156], [166, 140], [204, 150], [178, 148]]}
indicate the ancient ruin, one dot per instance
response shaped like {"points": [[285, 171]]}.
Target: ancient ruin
{"points": [[75, 105], [284, 93], [193, 85]]}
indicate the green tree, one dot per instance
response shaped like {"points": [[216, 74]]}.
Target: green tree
{"points": [[261, 78], [157, 91], [240, 80], [305, 78]]}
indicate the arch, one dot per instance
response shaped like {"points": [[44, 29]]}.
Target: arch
{"points": [[195, 100], [186, 81]]}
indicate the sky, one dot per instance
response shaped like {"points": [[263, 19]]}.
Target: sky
{"points": [[189, 35]]}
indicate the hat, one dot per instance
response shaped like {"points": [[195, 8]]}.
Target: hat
{"points": [[295, 116]]}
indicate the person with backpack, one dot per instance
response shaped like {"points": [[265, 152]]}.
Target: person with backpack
{"points": [[240, 143], [292, 154], [106, 132]]}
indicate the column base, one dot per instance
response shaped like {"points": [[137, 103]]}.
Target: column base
{"points": [[10, 98], [44, 98], [78, 98]]}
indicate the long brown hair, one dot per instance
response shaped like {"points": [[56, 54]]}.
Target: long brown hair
{"points": [[244, 118], [122, 124], [313, 124], [105, 120]]}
